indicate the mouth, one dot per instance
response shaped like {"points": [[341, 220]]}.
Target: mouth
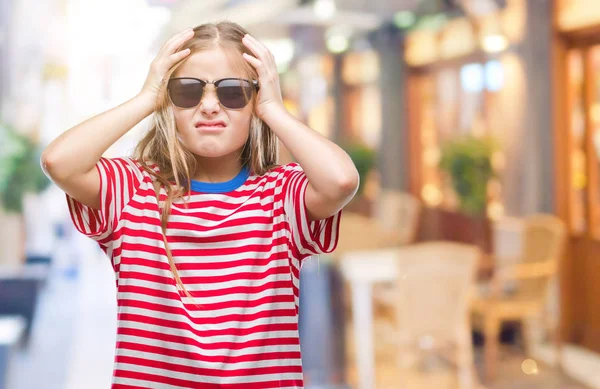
{"points": [[210, 125]]}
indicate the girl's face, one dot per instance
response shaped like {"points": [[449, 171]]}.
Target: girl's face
{"points": [[196, 126]]}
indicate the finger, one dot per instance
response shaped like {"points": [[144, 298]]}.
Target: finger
{"points": [[258, 65], [178, 56], [173, 46], [263, 53], [176, 41], [258, 51], [264, 62], [263, 49]]}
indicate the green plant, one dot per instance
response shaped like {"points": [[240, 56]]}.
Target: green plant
{"points": [[20, 170], [468, 163], [364, 160]]}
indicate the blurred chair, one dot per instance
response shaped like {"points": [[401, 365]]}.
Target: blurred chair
{"points": [[359, 233], [528, 277], [395, 221], [507, 235], [432, 298], [398, 214]]}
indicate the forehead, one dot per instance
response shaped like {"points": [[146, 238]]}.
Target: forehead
{"points": [[212, 64]]}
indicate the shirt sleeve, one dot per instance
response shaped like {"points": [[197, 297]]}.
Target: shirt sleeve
{"points": [[119, 180], [308, 237]]}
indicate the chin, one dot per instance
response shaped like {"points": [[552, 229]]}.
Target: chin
{"points": [[212, 151]]}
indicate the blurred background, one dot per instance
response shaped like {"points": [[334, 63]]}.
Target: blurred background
{"points": [[470, 258]]}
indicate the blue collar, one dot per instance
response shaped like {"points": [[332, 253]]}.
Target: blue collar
{"points": [[221, 187]]}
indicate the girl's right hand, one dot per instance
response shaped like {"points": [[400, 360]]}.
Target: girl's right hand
{"points": [[168, 55]]}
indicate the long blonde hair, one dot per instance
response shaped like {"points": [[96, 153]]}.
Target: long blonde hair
{"points": [[162, 148]]}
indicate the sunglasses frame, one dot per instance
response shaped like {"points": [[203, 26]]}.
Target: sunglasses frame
{"points": [[216, 83]]}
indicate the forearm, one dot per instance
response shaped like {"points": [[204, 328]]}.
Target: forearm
{"points": [[328, 168], [78, 149]]}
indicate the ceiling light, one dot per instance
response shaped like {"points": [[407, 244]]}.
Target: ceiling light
{"points": [[337, 44], [337, 38], [324, 9], [494, 43]]}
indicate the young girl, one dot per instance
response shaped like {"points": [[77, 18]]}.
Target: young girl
{"points": [[205, 232]]}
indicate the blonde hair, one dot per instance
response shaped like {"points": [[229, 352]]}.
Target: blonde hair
{"points": [[162, 148]]}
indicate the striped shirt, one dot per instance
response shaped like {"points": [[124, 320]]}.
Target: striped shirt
{"points": [[238, 247]]}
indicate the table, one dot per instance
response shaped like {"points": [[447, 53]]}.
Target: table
{"points": [[362, 269]]}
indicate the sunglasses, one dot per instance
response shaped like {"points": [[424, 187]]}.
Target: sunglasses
{"points": [[233, 93]]}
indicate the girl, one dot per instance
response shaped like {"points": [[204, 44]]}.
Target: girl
{"points": [[205, 232]]}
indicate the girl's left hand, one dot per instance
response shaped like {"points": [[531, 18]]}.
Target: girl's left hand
{"points": [[269, 95]]}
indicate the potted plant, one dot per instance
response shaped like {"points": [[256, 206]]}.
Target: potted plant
{"points": [[468, 162], [364, 159], [20, 173]]}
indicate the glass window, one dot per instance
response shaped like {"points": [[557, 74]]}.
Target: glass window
{"points": [[454, 101], [577, 146], [594, 140]]}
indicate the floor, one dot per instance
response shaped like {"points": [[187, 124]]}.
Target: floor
{"points": [[440, 375], [72, 343]]}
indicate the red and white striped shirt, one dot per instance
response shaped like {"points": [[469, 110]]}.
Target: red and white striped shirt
{"points": [[238, 247]]}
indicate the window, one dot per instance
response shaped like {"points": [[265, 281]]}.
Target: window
{"points": [[455, 101], [584, 145]]}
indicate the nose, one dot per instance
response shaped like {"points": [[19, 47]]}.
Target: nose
{"points": [[209, 103]]}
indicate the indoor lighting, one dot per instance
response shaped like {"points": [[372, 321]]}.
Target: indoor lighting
{"points": [[472, 77], [529, 366], [324, 9], [404, 19], [431, 195], [337, 44], [494, 76], [494, 43], [337, 38]]}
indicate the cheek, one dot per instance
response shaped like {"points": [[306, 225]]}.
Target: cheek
{"points": [[183, 120], [242, 122]]}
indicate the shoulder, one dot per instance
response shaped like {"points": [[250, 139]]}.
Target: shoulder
{"points": [[128, 167], [284, 170], [279, 174], [144, 167]]}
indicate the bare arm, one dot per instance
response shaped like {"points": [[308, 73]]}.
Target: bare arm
{"points": [[71, 158], [332, 176]]}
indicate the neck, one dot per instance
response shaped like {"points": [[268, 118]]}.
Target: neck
{"points": [[217, 169]]}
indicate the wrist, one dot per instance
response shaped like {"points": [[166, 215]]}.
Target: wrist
{"points": [[146, 100], [274, 114]]}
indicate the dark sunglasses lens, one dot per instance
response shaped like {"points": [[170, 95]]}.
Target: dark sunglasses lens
{"points": [[185, 93], [234, 94]]}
